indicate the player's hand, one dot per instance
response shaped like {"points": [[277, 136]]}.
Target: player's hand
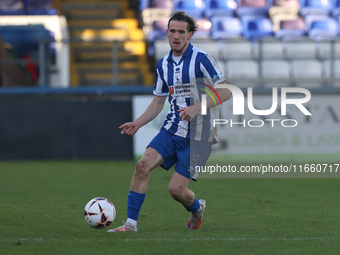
{"points": [[129, 128], [188, 113]]}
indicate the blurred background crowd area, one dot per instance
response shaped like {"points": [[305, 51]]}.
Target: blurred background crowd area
{"points": [[258, 43]]}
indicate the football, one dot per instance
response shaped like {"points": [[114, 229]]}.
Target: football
{"points": [[99, 212]]}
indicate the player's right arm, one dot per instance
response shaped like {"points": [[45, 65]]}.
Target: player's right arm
{"points": [[155, 107]]}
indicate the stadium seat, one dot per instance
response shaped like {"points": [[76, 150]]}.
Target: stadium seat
{"points": [[277, 19], [27, 7], [282, 17], [41, 7], [204, 28], [220, 8], [150, 15], [239, 49], [291, 30], [275, 73], [336, 9], [284, 7], [158, 29], [13, 7], [255, 29], [327, 50], [326, 29], [307, 73], [289, 6], [309, 19], [316, 7], [225, 28], [299, 50], [332, 72], [243, 73], [210, 46], [283, 10], [193, 8], [143, 4], [270, 49], [252, 8]]}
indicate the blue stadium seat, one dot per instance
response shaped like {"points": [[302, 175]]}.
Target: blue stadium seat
{"points": [[255, 29], [27, 7], [12, 7], [252, 8], [302, 2], [193, 8], [158, 29], [204, 28], [41, 7], [316, 7], [226, 27], [336, 9], [143, 4], [221, 8], [326, 29], [309, 19]]}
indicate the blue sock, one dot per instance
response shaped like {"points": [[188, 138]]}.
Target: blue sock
{"points": [[134, 204], [194, 207]]}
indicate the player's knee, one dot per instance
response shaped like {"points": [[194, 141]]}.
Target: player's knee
{"points": [[141, 168], [176, 192]]}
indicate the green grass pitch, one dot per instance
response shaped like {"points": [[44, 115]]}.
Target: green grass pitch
{"points": [[41, 212]]}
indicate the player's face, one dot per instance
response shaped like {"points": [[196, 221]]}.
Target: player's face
{"points": [[178, 36]]}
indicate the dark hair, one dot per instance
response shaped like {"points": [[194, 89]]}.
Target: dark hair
{"points": [[181, 16]]}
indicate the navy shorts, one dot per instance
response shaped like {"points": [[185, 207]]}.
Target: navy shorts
{"points": [[179, 152]]}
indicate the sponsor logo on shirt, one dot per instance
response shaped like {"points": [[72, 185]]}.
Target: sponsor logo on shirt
{"points": [[172, 89]]}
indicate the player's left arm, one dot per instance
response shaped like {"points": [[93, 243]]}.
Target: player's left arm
{"points": [[188, 113], [211, 71]]}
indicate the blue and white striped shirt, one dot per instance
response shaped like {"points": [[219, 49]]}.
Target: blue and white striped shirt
{"points": [[181, 82]]}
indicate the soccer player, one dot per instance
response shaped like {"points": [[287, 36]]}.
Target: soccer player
{"points": [[178, 76]]}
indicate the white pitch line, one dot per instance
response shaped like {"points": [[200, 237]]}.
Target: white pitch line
{"points": [[232, 239]]}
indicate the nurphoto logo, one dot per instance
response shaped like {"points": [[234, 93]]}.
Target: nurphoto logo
{"points": [[239, 105], [204, 98]]}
